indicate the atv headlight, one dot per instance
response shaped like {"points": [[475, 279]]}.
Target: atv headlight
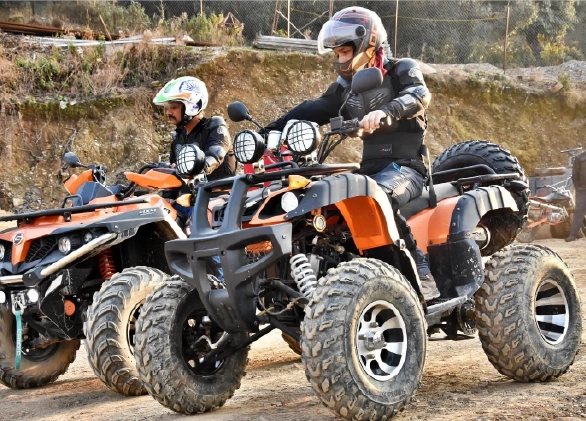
{"points": [[190, 160], [2, 252], [289, 201], [248, 147], [303, 137], [64, 245]]}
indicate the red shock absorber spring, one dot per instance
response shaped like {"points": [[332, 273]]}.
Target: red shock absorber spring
{"points": [[106, 263]]}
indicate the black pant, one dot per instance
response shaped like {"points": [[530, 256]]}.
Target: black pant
{"points": [[403, 184], [579, 212]]}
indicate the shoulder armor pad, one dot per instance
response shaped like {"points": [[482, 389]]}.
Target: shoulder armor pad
{"points": [[405, 64], [216, 121]]}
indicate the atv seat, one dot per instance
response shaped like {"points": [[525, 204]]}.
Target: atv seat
{"points": [[554, 197], [442, 191]]}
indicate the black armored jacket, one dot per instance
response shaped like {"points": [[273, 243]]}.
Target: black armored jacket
{"points": [[403, 96], [212, 137]]}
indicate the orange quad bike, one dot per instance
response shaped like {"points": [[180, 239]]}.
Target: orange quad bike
{"points": [[319, 253], [83, 271]]}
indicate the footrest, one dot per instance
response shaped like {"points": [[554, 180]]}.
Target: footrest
{"points": [[438, 306]]}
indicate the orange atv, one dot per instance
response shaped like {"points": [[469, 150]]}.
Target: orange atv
{"points": [[318, 256], [84, 270]]}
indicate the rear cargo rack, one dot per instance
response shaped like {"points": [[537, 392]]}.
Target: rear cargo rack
{"points": [[67, 212]]}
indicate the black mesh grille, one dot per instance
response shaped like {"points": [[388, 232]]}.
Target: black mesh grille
{"points": [[40, 248], [7, 252]]}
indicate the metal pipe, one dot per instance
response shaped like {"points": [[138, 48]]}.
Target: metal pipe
{"points": [[60, 264], [10, 279]]}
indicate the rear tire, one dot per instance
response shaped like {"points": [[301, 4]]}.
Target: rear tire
{"points": [[503, 228], [172, 315], [359, 305], [528, 314], [110, 328], [39, 367]]}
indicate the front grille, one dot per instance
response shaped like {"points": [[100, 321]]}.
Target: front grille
{"points": [[40, 248], [254, 252], [7, 252]]}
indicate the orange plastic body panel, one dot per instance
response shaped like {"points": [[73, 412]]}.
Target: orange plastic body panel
{"points": [[75, 181], [268, 221], [40, 227], [432, 226], [366, 222], [153, 179]]}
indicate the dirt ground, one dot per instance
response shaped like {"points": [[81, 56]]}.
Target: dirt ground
{"points": [[459, 384]]}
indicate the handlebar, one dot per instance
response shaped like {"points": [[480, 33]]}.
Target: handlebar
{"points": [[572, 150]]}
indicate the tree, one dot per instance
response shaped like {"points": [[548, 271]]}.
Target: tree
{"points": [[550, 22]]}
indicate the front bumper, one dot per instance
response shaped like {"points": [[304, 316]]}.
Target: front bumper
{"points": [[234, 307]]}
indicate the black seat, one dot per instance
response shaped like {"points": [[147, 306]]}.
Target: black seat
{"points": [[442, 191]]}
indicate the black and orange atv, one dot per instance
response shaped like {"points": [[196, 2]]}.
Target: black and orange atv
{"points": [[318, 256], [92, 260]]}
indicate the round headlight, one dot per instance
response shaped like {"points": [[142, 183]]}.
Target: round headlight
{"points": [[87, 237], [289, 201], [248, 147], [2, 297], [64, 245], [32, 295], [303, 137], [2, 251], [190, 160]]}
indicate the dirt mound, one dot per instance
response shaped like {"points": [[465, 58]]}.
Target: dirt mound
{"points": [[126, 130]]}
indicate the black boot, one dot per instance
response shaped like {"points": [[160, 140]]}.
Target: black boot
{"points": [[428, 286]]}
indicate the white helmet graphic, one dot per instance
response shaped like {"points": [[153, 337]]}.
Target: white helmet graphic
{"points": [[189, 90]]}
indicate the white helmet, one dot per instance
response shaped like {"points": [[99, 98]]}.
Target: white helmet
{"points": [[189, 90]]}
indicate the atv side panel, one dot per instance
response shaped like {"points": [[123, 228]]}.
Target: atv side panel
{"points": [[357, 197]]}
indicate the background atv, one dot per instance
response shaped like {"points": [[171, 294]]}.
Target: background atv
{"points": [[364, 324], [552, 201], [94, 259]]}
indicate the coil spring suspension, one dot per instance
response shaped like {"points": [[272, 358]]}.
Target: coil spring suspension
{"points": [[303, 275], [106, 263]]}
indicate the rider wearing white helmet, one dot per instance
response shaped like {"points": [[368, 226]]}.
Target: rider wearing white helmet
{"points": [[185, 98]]}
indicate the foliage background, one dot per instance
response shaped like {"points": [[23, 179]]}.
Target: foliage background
{"points": [[544, 32]]}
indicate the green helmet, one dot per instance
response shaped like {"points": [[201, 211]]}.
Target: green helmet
{"points": [[188, 90]]}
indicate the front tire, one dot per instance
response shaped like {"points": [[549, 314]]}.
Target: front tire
{"points": [[37, 367], [528, 314], [110, 328], [364, 340], [168, 329]]}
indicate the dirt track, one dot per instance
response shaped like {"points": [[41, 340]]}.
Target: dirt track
{"points": [[459, 384]]}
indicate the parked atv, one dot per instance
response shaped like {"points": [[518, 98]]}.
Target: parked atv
{"points": [[92, 260], [318, 252], [556, 210]]}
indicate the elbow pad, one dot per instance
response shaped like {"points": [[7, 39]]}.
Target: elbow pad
{"points": [[410, 102], [214, 157]]}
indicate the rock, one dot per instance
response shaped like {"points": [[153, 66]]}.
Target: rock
{"points": [[556, 88], [16, 202]]}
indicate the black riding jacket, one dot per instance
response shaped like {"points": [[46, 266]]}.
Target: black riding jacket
{"points": [[408, 98], [212, 137]]}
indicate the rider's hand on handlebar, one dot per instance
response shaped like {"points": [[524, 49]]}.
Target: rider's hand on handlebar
{"points": [[373, 120]]}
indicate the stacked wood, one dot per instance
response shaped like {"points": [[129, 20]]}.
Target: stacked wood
{"points": [[296, 44], [290, 44], [40, 30]]}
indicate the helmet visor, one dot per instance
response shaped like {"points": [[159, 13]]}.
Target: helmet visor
{"points": [[335, 33]]}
